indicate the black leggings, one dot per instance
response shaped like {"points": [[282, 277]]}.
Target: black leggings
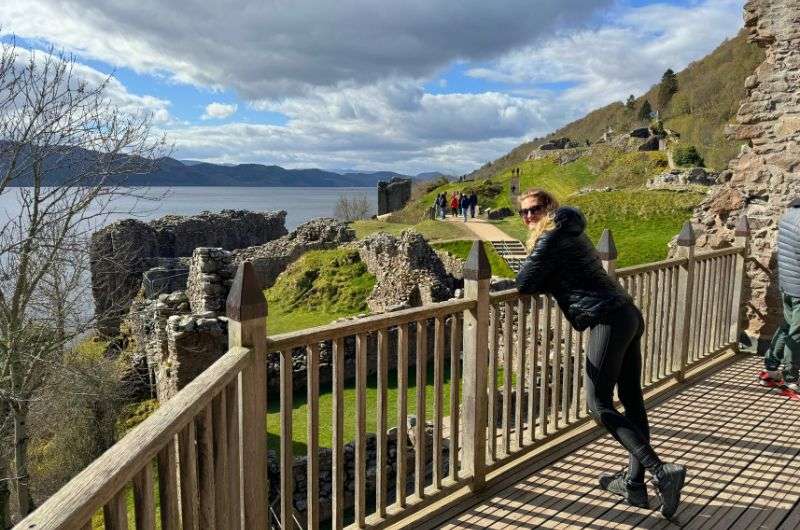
{"points": [[614, 358]]}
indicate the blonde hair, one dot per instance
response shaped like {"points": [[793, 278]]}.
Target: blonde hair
{"points": [[546, 223]]}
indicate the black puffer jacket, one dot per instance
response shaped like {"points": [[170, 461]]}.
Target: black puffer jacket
{"points": [[564, 263]]}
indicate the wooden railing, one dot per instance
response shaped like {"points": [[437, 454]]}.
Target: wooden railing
{"points": [[208, 444]]}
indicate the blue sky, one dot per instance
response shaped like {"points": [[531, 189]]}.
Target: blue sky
{"points": [[411, 86]]}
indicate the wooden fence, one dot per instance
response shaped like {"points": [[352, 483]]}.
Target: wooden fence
{"points": [[204, 453]]}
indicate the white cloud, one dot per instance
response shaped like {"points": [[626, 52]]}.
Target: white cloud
{"points": [[219, 110]]}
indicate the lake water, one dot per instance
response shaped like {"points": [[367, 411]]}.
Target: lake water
{"points": [[301, 204]]}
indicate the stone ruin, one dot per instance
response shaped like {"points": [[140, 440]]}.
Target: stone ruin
{"points": [[393, 195], [685, 178], [765, 176], [124, 252]]}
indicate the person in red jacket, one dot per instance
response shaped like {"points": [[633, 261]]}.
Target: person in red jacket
{"points": [[454, 203]]}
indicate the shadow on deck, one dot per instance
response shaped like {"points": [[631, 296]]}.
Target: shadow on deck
{"points": [[740, 442]]}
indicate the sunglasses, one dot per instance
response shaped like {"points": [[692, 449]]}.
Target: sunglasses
{"points": [[533, 210]]}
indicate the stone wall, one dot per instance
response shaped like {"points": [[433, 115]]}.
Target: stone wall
{"points": [[765, 175], [123, 251], [393, 195]]}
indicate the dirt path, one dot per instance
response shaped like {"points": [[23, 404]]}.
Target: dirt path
{"points": [[482, 229]]}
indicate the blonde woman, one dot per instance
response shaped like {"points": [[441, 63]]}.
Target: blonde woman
{"points": [[564, 263]]}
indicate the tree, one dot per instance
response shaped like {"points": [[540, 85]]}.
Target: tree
{"points": [[631, 102], [65, 151], [645, 111], [667, 87], [349, 209]]}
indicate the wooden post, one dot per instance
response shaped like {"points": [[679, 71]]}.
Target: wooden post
{"points": [[477, 272], [608, 253], [247, 327], [683, 318], [742, 239]]}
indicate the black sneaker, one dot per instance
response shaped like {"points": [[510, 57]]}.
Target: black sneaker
{"points": [[669, 483], [634, 494]]}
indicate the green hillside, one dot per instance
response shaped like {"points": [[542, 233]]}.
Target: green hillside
{"points": [[709, 92]]}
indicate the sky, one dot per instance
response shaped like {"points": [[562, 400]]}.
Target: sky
{"points": [[411, 86]]}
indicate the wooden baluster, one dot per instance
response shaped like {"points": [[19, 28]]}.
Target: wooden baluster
{"points": [[422, 373], [669, 369], [205, 460], [247, 327], [643, 288], [381, 477], [144, 504], [707, 309], [545, 379], [188, 473], [168, 487], [402, 412], [222, 511], [584, 340], [312, 436], [717, 288], [533, 370], [115, 512], [233, 447], [361, 430], [742, 240], [653, 325], [507, 373], [455, 376], [555, 398], [567, 375], [727, 310], [659, 322], [286, 442], [684, 299], [477, 273], [438, 395], [337, 470], [576, 377], [520, 368], [491, 422]]}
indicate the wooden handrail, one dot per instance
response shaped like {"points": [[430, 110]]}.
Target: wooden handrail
{"points": [[81, 497]]}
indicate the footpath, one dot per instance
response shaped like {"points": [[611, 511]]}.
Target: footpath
{"points": [[510, 249]]}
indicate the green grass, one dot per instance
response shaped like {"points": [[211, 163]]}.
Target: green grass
{"points": [[460, 249], [320, 287], [430, 229]]}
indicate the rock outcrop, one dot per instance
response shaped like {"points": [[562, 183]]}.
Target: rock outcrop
{"points": [[393, 195], [685, 178], [766, 174], [407, 270]]}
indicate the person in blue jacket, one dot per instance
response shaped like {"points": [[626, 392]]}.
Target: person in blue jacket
{"points": [[564, 263], [464, 205]]}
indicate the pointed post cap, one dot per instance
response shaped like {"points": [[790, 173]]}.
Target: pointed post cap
{"points": [[606, 247], [477, 266], [742, 227], [686, 237], [245, 300]]}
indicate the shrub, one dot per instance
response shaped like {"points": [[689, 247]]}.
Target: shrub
{"points": [[686, 155]]}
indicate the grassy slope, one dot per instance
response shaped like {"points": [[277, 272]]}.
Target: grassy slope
{"points": [[460, 249], [430, 229], [710, 91]]}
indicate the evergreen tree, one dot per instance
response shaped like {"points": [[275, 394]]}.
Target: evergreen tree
{"points": [[631, 102], [667, 87], [645, 111]]}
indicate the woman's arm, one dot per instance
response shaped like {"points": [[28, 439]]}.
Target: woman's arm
{"points": [[537, 268]]}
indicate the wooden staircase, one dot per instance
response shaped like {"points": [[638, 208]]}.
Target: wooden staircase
{"points": [[511, 250]]}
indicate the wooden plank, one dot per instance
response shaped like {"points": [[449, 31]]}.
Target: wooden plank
{"points": [[508, 319], [381, 477], [491, 421], [566, 381], [188, 474], [168, 487], [455, 394], [652, 325], [144, 504], [361, 430], [205, 460], [422, 375], [402, 412], [555, 385], [520, 368], [672, 346], [644, 306], [533, 389], [286, 442], [577, 356], [337, 469], [663, 300], [115, 512], [233, 428], [312, 436], [222, 509], [438, 395], [543, 386]]}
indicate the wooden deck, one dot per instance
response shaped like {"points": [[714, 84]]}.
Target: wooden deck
{"points": [[739, 441]]}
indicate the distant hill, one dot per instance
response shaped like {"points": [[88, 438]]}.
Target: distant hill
{"points": [[172, 172], [431, 175], [709, 94]]}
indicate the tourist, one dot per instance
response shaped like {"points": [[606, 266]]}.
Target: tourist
{"points": [[454, 204], [785, 346], [464, 205], [563, 262], [443, 206], [473, 203]]}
